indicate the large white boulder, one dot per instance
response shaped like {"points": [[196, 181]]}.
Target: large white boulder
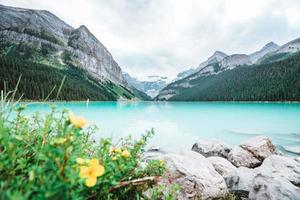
{"points": [[194, 174], [221, 165], [261, 147], [241, 179], [277, 178], [209, 148], [252, 153], [273, 188]]}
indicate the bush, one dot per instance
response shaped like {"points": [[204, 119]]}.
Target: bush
{"points": [[52, 156]]}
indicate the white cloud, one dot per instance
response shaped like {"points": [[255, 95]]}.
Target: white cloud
{"points": [[164, 37]]}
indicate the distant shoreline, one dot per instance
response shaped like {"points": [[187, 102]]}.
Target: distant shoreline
{"points": [[29, 101]]}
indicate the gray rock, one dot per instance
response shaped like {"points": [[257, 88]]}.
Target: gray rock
{"points": [[240, 179], [273, 188], [261, 147], [221, 165], [59, 43], [252, 152], [211, 148], [285, 167], [154, 148], [241, 157], [277, 178], [195, 175]]}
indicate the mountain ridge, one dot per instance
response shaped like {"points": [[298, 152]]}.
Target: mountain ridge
{"points": [[38, 27], [270, 53], [41, 39]]}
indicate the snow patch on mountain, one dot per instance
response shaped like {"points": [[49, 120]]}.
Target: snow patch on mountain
{"points": [[230, 62], [151, 85], [290, 47], [268, 48]]}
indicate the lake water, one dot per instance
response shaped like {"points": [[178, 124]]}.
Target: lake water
{"points": [[179, 124]]}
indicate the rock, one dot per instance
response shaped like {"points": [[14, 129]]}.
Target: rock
{"points": [[285, 167], [152, 155], [195, 174], [221, 165], [278, 178], [154, 148], [261, 147], [241, 157], [240, 180], [273, 188], [211, 148], [252, 152]]}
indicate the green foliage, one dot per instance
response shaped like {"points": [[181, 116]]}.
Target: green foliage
{"points": [[278, 81], [46, 157], [38, 80]]}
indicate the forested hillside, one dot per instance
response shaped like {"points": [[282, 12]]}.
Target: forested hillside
{"points": [[278, 81], [38, 80]]}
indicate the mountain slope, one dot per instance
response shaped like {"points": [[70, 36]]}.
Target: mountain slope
{"points": [[41, 38], [278, 81], [38, 80], [268, 48], [215, 58], [282, 52]]}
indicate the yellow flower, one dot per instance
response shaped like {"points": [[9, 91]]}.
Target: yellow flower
{"points": [[114, 158], [91, 172], [114, 150], [125, 154], [162, 162], [118, 150], [77, 121]]}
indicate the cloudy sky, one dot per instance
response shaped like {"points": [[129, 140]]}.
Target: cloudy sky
{"points": [[164, 37]]}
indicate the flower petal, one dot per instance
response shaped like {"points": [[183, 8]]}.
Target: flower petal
{"points": [[94, 162], [91, 181], [84, 172], [99, 170]]}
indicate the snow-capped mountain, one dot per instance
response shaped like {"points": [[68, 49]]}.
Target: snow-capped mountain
{"points": [[216, 57], [235, 60], [268, 48], [151, 85], [220, 62], [290, 47]]}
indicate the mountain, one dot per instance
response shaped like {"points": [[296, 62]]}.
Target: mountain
{"points": [[41, 38], [221, 61], [274, 77], [215, 58], [290, 47], [234, 60], [277, 81], [268, 48], [150, 85], [282, 52]]}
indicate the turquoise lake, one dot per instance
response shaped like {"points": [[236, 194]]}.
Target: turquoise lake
{"points": [[179, 124]]}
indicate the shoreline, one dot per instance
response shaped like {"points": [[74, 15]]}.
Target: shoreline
{"points": [[263, 102]]}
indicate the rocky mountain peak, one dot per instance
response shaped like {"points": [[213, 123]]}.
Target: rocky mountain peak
{"points": [[290, 47], [219, 54], [38, 28], [270, 45], [235, 60], [266, 49]]}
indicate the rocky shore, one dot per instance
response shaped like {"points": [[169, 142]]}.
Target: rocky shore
{"points": [[212, 170]]}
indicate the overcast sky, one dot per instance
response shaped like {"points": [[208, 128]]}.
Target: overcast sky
{"points": [[164, 37]]}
